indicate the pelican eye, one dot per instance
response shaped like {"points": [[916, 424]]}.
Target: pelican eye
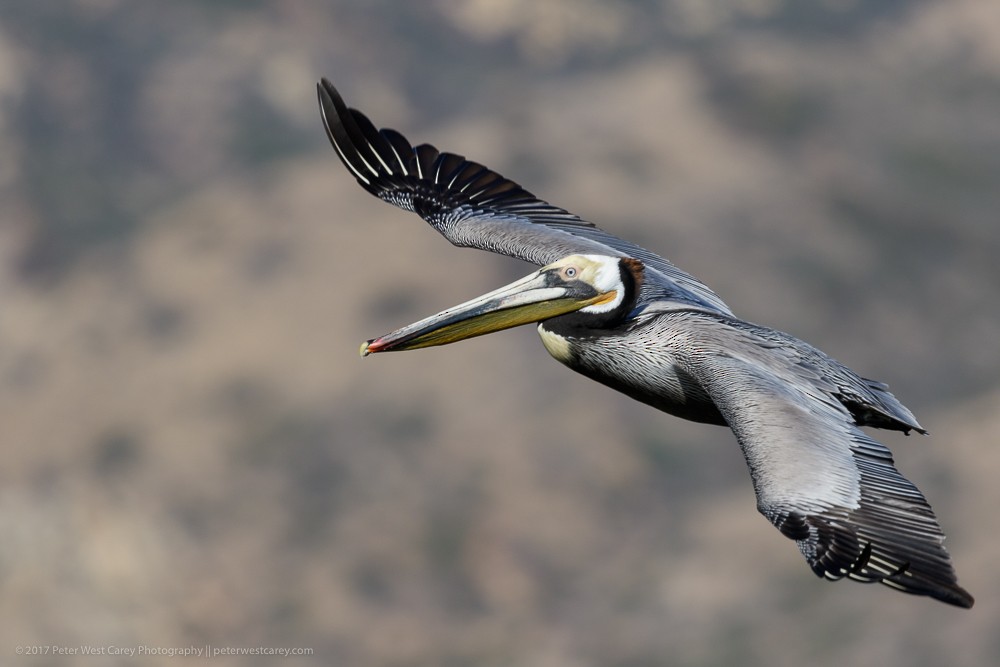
{"points": [[570, 272]]}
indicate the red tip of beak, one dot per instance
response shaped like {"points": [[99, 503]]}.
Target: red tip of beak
{"points": [[371, 346]]}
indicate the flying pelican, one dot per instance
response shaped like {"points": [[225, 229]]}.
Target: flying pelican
{"points": [[633, 321]]}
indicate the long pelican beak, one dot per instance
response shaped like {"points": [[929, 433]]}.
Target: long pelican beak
{"points": [[534, 298]]}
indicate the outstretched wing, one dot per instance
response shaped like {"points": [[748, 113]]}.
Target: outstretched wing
{"points": [[821, 480], [473, 206]]}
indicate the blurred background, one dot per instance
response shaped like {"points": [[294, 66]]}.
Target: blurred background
{"points": [[194, 453]]}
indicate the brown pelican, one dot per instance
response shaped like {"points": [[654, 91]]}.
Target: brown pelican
{"points": [[633, 321]]}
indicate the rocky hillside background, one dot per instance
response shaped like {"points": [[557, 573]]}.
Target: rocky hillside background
{"points": [[193, 453]]}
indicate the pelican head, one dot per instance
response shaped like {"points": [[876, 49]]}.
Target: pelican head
{"points": [[595, 288]]}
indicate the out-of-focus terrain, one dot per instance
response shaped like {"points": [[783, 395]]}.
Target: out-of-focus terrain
{"points": [[193, 453]]}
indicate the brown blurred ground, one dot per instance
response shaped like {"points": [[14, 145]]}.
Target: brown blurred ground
{"points": [[194, 453]]}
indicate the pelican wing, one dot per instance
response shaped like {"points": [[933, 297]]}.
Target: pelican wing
{"points": [[821, 480], [473, 206]]}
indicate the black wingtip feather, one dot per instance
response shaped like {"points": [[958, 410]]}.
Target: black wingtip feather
{"points": [[378, 146], [422, 178], [837, 552], [342, 131], [426, 155]]}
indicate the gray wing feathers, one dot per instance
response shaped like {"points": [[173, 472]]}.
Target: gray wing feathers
{"points": [[473, 206], [820, 479]]}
